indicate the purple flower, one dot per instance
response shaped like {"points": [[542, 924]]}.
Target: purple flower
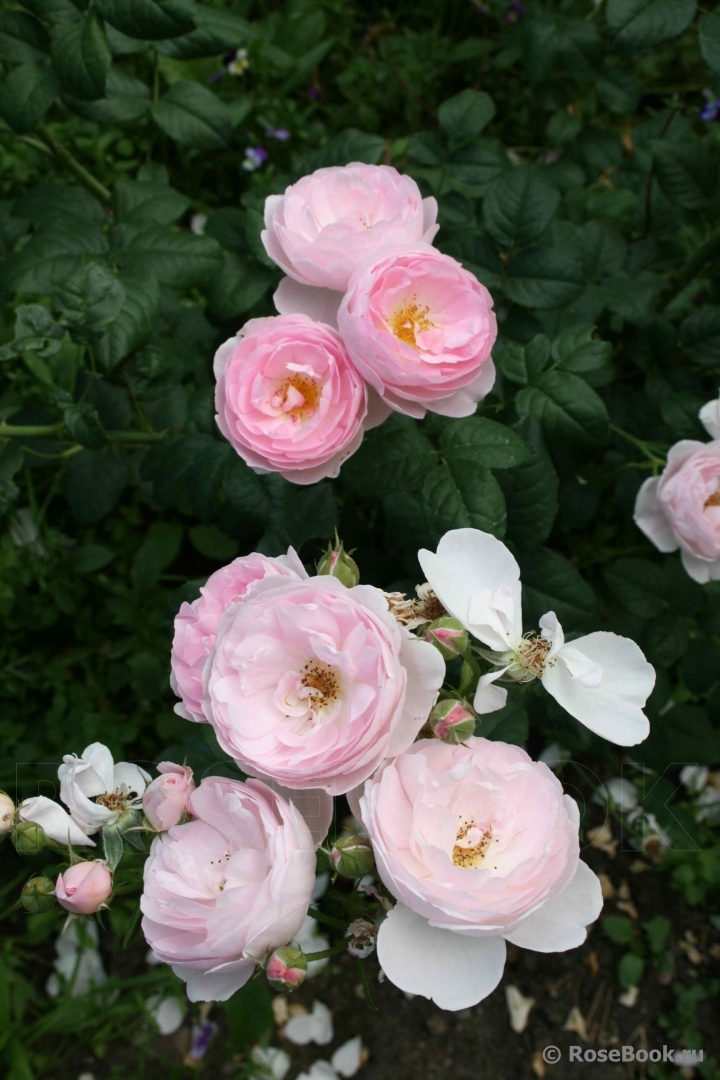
{"points": [[216, 76], [711, 111], [516, 10], [314, 92], [202, 1035], [255, 158], [281, 134]]}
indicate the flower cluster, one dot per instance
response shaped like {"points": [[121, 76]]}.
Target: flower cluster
{"points": [[319, 686], [372, 318]]}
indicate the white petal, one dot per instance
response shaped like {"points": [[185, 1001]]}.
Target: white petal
{"points": [[347, 1059], [58, 824], [274, 1061], [582, 668], [314, 804], [316, 1027], [519, 1008], [650, 517], [464, 402], [319, 1070], [451, 969], [489, 698], [613, 709], [292, 298], [218, 984], [469, 563], [700, 570], [98, 755], [709, 417], [562, 923], [167, 1012], [425, 676], [130, 777]]}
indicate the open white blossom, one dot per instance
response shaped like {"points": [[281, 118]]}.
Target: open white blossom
{"points": [[96, 791], [56, 822], [602, 679]]}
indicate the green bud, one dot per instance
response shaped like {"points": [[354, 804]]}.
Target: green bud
{"points": [[286, 968], [337, 563], [29, 838], [452, 721], [38, 894], [448, 636], [352, 856]]}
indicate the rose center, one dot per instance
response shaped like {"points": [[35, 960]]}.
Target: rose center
{"points": [[713, 500], [471, 844], [298, 397], [114, 800], [407, 320], [321, 684], [533, 653]]}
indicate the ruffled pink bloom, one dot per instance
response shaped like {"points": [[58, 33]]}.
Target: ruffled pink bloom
{"points": [[313, 684], [196, 624], [288, 399], [681, 508], [420, 328], [165, 799], [479, 845], [84, 887], [228, 887], [327, 223]]}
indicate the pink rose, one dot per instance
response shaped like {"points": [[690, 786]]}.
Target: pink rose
{"points": [[313, 684], [165, 799], [323, 226], [479, 846], [288, 399], [228, 887], [196, 624], [84, 887], [681, 508], [420, 329]]}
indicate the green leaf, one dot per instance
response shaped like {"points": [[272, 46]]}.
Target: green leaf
{"points": [[112, 845], [157, 552], [92, 297], [523, 364], [531, 490], [179, 259], [619, 928], [393, 457], [94, 481], [148, 203], [193, 116], [127, 100], [248, 1015], [510, 724], [566, 407], [26, 95], [213, 543], [135, 321], [476, 441], [635, 25], [52, 256], [83, 425], [23, 40], [552, 583], [11, 460], [543, 278], [90, 558], [151, 19], [687, 174], [349, 145], [657, 930], [634, 584], [519, 206], [630, 970], [683, 735], [236, 288], [81, 57], [298, 514], [466, 114], [449, 497], [49, 204], [215, 32], [700, 335], [575, 349], [709, 34]]}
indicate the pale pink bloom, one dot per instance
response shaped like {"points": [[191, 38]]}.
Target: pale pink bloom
{"points": [[681, 507], [228, 887], [165, 798], [288, 398], [313, 684], [84, 887], [323, 226], [196, 623], [480, 846], [420, 328]]}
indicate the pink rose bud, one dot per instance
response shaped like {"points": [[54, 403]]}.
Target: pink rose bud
{"points": [[339, 564], [448, 636], [7, 814], [165, 799], [288, 398], [84, 887], [452, 721], [352, 856], [286, 968]]}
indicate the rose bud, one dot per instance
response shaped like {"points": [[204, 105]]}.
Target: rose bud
{"points": [[38, 894], [452, 721], [286, 968], [84, 887], [448, 636], [352, 856], [29, 838], [339, 564], [7, 814], [165, 799]]}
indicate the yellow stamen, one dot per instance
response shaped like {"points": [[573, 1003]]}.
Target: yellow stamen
{"points": [[407, 320]]}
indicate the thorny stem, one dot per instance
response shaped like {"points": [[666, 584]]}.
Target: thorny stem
{"points": [[338, 924], [74, 165], [48, 431], [644, 447]]}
